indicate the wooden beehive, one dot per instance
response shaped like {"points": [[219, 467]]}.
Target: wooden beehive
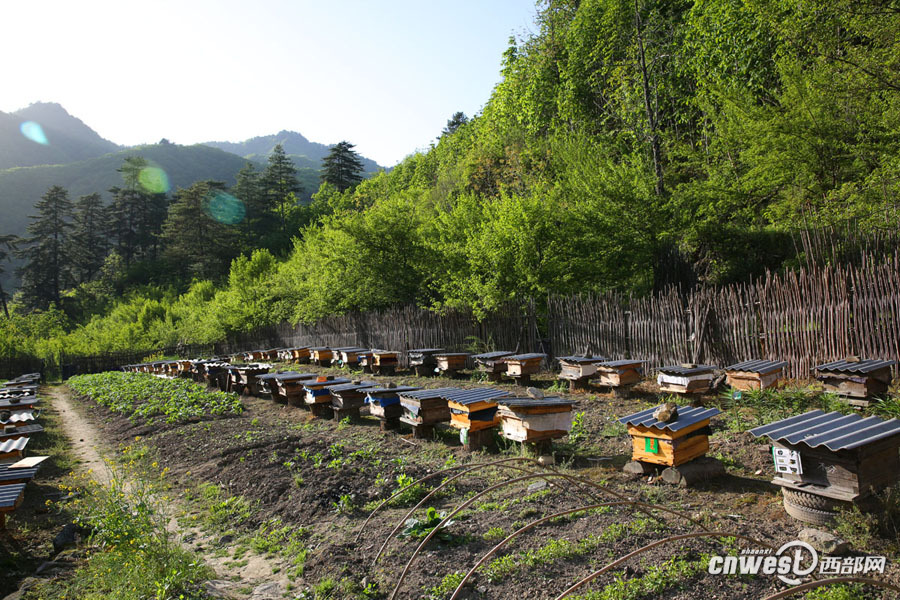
{"points": [[492, 363], [13, 449], [577, 368], [270, 383], [449, 363], [523, 365], [843, 458], [300, 354], [317, 391], [686, 378], [243, 378], [321, 355], [474, 409], [384, 402], [535, 419], [349, 356], [619, 373], [350, 395], [856, 379], [671, 443], [754, 374], [422, 360], [384, 362], [425, 407]]}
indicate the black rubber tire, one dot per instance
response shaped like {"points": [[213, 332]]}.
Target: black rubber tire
{"points": [[809, 515], [807, 500]]}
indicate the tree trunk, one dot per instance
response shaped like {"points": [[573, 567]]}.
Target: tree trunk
{"points": [[648, 106]]}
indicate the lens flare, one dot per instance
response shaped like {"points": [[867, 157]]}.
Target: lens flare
{"points": [[154, 180], [225, 208], [34, 132]]}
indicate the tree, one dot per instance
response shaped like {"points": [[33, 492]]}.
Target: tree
{"points": [[342, 167], [281, 184], [194, 242], [88, 244], [7, 245], [455, 122], [137, 212], [46, 271], [249, 189]]}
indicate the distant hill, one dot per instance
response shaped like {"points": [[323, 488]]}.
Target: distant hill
{"points": [[305, 154], [68, 139]]}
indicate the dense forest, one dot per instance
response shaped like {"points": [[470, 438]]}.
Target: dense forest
{"points": [[628, 145]]}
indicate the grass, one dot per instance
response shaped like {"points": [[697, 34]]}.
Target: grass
{"points": [[219, 510], [758, 407], [274, 538], [131, 555], [143, 395], [652, 584]]}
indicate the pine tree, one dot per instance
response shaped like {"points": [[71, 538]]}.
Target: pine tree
{"points": [[342, 167], [249, 189], [136, 215], [46, 271], [281, 185], [455, 122], [7, 245], [193, 241], [88, 245]]}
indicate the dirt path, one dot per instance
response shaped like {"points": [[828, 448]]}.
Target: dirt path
{"points": [[254, 572], [82, 435]]}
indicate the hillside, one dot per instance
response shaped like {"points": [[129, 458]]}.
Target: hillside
{"points": [[304, 153], [68, 138]]}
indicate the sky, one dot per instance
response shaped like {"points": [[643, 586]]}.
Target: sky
{"points": [[385, 75]]}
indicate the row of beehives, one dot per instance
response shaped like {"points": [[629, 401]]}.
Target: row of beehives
{"points": [[18, 416], [850, 377], [476, 413], [822, 461]]}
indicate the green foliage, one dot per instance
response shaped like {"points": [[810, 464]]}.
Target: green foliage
{"points": [[420, 528], [143, 395], [627, 145], [757, 407], [446, 587], [287, 541], [654, 582], [134, 557]]}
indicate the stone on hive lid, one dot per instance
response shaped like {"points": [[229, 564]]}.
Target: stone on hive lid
{"points": [[666, 413], [534, 393]]}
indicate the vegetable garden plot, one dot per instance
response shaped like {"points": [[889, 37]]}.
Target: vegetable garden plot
{"points": [[142, 395]]}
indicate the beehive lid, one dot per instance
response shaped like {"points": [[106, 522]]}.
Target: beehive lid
{"points": [[16, 445], [582, 360], [428, 394], [383, 391], [473, 396], [624, 362], [687, 371], [9, 495], [861, 367], [687, 416], [758, 366], [831, 430], [528, 356], [492, 355], [529, 402]]}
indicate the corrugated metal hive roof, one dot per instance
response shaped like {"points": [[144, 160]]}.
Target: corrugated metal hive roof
{"points": [[686, 371], [687, 416], [862, 366], [15, 445], [528, 402], [758, 366], [621, 362], [832, 430], [9, 494], [492, 355], [581, 360]]}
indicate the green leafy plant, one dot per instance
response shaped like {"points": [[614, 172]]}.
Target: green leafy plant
{"points": [[419, 528], [140, 395]]}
